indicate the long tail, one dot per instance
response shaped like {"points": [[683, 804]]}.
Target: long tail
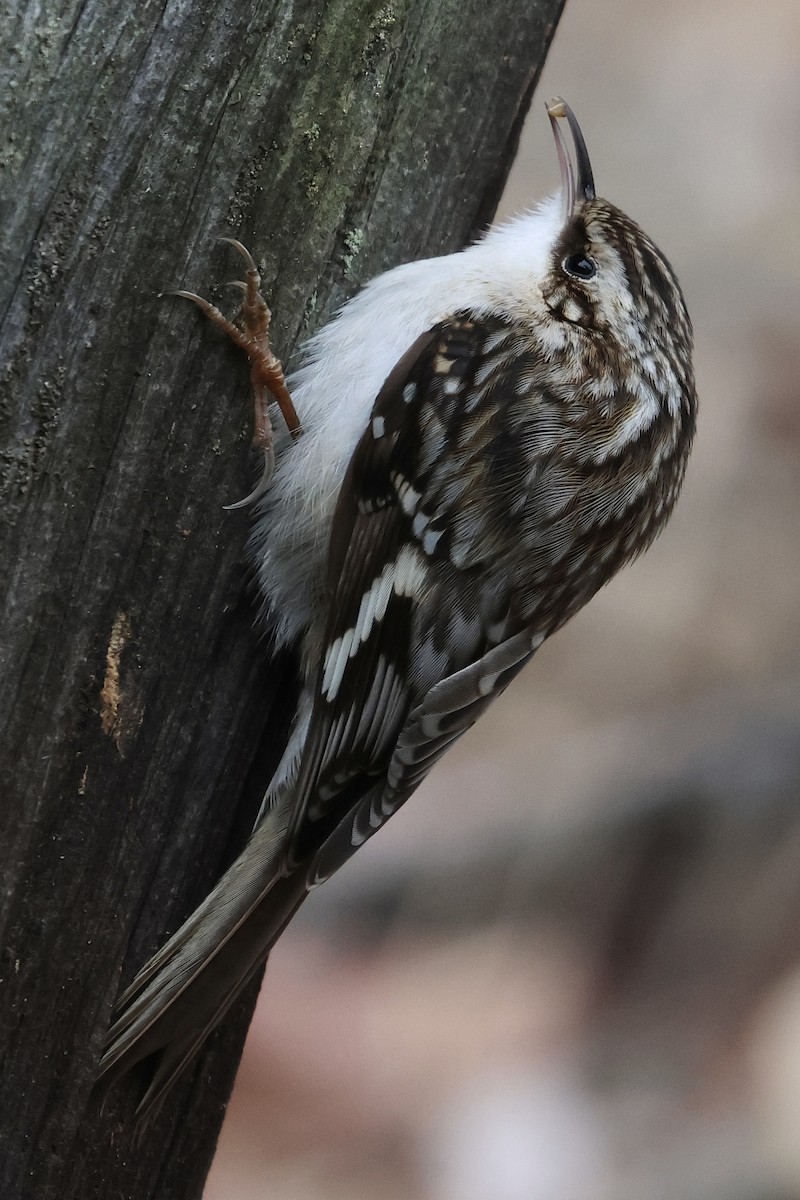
{"points": [[185, 989]]}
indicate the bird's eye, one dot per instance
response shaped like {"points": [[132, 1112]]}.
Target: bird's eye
{"points": [[580, 265]]}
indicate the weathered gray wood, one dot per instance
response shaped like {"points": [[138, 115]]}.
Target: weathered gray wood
{"points": [[334, 139]]}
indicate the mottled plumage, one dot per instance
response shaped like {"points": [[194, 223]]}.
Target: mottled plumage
{"points": [[488, 438]]}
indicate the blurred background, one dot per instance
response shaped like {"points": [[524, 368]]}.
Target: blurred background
{"points": [[569, 969]]}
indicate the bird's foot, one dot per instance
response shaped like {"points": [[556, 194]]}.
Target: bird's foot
{"points": [[266, 373]]}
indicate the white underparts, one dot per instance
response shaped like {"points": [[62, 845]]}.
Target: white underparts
{"points": [[334, 391]]}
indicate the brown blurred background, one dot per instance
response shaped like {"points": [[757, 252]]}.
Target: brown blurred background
{"points": [[568, 969]]}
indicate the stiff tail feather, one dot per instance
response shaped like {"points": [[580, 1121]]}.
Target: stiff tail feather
{"points": [[187, 986]]}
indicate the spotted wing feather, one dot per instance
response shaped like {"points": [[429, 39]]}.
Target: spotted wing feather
{"points": [[416, 622]]}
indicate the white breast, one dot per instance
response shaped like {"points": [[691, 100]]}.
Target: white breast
{"points": [[344, 368]]}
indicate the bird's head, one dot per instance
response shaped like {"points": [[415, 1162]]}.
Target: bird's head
{"points": [[606, 277]]}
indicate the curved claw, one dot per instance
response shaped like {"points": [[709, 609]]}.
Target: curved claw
{"points": [[243, 252], [263, 484], [188, 296]]}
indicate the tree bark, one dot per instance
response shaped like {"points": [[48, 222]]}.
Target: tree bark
{"points": [[140, 717]]}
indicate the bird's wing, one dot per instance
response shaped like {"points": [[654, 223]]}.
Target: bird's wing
{"points": [[420, 637]]}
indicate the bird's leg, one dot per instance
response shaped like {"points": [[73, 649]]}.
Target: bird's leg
{"points": [[266, 373]]}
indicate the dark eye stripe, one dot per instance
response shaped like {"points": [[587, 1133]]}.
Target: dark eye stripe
{"points": [[659, 277]]}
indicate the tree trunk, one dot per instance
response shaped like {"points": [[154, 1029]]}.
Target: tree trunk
{"points": [[335, 140]]}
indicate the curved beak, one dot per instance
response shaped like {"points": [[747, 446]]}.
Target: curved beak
{"points": [[577, 182]]}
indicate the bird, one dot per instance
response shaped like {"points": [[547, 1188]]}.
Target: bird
{"points": [[473, 446]]}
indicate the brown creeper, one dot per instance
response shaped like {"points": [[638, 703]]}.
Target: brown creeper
{"points": [[487, 438]]}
